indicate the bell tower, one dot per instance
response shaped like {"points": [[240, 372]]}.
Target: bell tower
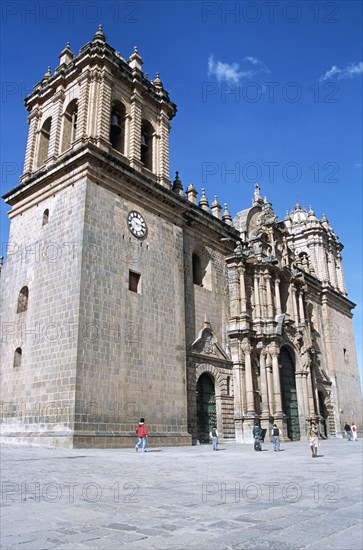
{"points": [[92, 292], [99, 97]]}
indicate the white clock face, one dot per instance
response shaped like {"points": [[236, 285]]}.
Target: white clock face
{"points": [[137, 224]]}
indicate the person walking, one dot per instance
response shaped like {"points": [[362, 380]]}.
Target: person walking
{"points": [[354, 432], [257, 434], [348, 431], [275, 432], [142, 433], [214, 436], [313, 436]]}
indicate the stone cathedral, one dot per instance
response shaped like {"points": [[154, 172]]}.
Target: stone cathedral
{"points": [[123, 295]]}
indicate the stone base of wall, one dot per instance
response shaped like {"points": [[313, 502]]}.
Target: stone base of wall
{"points": [[82, 440], [119, 440], [36, 439]]}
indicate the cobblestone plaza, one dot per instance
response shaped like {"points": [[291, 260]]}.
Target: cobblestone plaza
{"points": [[183, 497]]}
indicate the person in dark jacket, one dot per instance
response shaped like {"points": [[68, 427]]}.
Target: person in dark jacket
{"points": [[257, 434], [348, 431]]}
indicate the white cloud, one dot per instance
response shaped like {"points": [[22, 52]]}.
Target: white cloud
{"points": [[232, 72], [252, 60], [354, 69]]}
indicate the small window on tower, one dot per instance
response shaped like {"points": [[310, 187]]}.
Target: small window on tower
{"points": [[45, 217], [134, 282], [23, 300], [17, 357]]}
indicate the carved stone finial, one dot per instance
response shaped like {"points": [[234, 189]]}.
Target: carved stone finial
{"points": [[226, 216], [157, 82], [203, 203], [135, 60], [177, 185], [257, 199], [99, 36], [192, 194], [66, 55], [47, 74], [216, 208]]}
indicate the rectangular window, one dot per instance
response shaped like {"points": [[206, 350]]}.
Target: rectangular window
{"points": [[134, 282]]}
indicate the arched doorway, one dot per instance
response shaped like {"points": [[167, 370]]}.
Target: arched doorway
{"points": [[289, 394], [206, 407], [323, 414]]}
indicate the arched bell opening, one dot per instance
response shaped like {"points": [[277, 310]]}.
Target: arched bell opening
{"points": [[117, 127]]}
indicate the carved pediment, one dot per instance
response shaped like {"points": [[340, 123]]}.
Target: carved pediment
{"points": [[206, 344]]}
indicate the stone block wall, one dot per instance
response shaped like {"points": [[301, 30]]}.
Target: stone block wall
{"points": [[38, 395], [132, 363]]}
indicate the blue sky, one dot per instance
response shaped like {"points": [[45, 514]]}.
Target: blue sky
{"points": [[266, 91]]}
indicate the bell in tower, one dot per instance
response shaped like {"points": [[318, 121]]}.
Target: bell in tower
{"points": [[117, 130]]}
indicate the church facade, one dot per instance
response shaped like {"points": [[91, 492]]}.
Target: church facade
{"points": [[124, 296]]}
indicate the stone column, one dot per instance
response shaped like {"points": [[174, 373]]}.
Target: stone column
{"points": [[135, 130], [242, 289], [257, 297], [265, 410], [312, 256], [274, 351], [56, 127], [127, 135], [340, 275], [277, 297], [93, 94], [294, 303], [270, 383], [163, 165], [104, 106], [301, 307], [306, 393], [332, 270], [246, 348], [33, 121], [299, 381], [238, 388], [270, 311], [83, 106], [302, 400], [263, 301], [312, 390], [234, 292], [321, 260]]}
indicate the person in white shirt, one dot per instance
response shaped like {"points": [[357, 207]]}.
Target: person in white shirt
{"points": [[354, 432], [214, 436], [275, 432]]}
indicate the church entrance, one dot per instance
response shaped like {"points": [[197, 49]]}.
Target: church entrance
{"points": [[323, 415], [206, 408], [289, 394]]}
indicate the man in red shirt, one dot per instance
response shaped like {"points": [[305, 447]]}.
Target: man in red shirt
{"points": [[142, 433]]}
